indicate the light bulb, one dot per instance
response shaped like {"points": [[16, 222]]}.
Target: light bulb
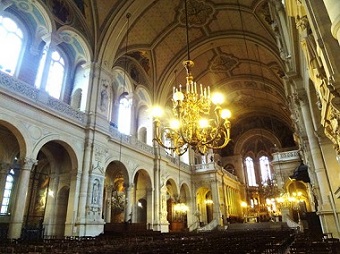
{"points": [[174, 124], [203, 123], [225, 114], [217, 98], [178, 96], [157, 112]]}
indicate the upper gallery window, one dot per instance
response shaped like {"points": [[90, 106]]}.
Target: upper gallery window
{"points": [[250, 171], [11, 45], [265, 169], [51, 73], [124, 121]]}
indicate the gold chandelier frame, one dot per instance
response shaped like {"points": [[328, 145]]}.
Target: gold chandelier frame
{"points": [[192, 108]]}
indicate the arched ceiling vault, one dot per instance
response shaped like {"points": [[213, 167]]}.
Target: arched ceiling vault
{"points": [[232, 45]]}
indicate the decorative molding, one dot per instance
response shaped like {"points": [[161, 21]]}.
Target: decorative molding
{"points": [[200, 13], [130, 140], [39, 97]]}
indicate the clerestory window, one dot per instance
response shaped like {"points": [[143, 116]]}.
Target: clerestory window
{"points": [[265, 169], [11, 45], [51, 73], [250, 171], [124, 115]]}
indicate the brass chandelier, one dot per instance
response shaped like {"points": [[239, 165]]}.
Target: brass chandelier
{"points": [[192, 108]]}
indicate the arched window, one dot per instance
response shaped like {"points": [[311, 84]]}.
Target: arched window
{"points": [[265, 169], [124, 115], [250, 171], [51, 73], [11, 45], [7, 193]]}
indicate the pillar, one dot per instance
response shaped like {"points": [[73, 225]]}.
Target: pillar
{"points": [[333, 9], [324, 210], [17, 217], [70, 228], [108, 203], [129, 190], [216, 199], [50, 210], [81, 213], [157, 190]]}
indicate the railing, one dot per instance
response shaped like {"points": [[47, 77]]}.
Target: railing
{"points": [[209, 227], [41, 98], [130, 141], [206, 167], [214, 166], [286, 156], [230, 175]]}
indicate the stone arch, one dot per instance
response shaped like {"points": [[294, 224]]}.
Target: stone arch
{"points": [[51, 180], [256, 134], [142, 211], [204, 204], [116, 184], [13, 141], [63, 141]]}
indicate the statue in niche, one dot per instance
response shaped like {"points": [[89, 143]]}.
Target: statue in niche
{"points": [[95, 192], [104, 97]]}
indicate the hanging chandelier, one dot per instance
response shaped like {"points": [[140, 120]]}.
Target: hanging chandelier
{"points": [[192, 125]]}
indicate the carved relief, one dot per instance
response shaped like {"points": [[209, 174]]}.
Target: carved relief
{"points": [[223, 63], [332, 130], [100, 153], [199, 13]]}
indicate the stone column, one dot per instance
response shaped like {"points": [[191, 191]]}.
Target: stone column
{"points": [[70, 228], [324, 209], [333, 9], [150, 213], [17, 217], [51, 204], [129, 190], [316, 154], [156, 200], [216, 199], [164, 227], [107, 203], [84, 175]]}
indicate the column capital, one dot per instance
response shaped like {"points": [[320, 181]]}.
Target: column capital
{"points": [[28, 163]]}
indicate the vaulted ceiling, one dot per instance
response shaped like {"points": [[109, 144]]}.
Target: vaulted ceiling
{"points": [[234, 49], [232, 43]]}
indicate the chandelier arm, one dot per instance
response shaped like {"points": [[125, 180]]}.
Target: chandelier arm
{"points": [[226, 141], [175, 149], [158, 139], [216, 133], [178, 109], [183, 136]]}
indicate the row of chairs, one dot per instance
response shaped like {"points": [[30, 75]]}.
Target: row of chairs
{"points": [[244, 242], [308, 244], [208, 242]]}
